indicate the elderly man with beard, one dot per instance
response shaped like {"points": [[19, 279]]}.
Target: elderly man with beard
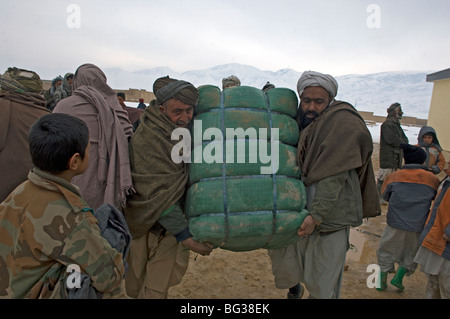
{"points": [[334, 155], [159, 253], [391, 136]]}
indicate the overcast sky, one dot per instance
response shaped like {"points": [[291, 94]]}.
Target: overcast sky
{"points": [[333, 36]]}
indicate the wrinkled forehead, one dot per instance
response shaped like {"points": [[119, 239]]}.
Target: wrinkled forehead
{"points": [[315, 92]]}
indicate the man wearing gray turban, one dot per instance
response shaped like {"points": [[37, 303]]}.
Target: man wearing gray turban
{"points": [[312, 78], [315, 81], [158, 256], [334, 156]]}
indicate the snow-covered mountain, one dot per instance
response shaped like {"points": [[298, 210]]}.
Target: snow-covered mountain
{"points": [[367, 92]]}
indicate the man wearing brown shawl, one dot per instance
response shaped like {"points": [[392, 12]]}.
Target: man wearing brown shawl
{"points": [[108, 177], [159, 253], [334, 155], [20, 106]]}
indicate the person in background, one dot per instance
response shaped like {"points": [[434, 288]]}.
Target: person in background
{"points": [[230, 81], [141, 104], [65, 89], [20, 106], [134, 114], [429, 142], [409, 192], [159, 254], [391, 136], [49, 95], [434, 247], [268, 86], [108, 177], [121, 99], [334, 154]]}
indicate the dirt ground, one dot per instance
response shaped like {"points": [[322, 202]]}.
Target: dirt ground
{"points": [[248, 275]]}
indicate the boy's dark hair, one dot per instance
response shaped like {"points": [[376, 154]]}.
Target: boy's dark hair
{"points": [[122, 95], [413, 154], [54, 138]]}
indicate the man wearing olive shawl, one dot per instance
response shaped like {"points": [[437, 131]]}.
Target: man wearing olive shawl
{"points": [[159, 253], [334, 155]]}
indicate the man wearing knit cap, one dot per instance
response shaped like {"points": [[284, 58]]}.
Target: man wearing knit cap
{"points": [[159, 253], [391, 136], [20, 106], [410, 192], [334, 156]]}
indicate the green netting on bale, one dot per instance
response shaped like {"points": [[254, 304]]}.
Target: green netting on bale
{"points": [[208, 160], [281, 100], [248, 231], [233, 120], [244, 194], [251, 198]]}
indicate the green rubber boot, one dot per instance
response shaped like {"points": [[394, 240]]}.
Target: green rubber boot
{"points": [[397, 280], [382, 279]]}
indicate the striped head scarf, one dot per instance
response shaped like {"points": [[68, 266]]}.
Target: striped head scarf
{"points": [[166, 88]]}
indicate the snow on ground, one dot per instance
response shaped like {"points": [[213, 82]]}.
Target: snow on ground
{"points": [[412, 132]]}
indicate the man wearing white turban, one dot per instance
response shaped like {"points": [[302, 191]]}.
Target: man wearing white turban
{"points": [[312, 78], [334, 155], [318, 82]]}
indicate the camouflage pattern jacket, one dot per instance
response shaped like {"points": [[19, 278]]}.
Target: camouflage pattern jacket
{"points": [[45, 226]]}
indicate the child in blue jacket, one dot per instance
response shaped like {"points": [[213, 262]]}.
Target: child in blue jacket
{"points": [[409, 192]]}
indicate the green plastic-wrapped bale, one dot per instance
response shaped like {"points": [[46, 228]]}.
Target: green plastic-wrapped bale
{"points": [[245, 192]]}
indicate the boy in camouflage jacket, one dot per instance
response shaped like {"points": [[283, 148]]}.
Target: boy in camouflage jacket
{"points": [[46, 226]]}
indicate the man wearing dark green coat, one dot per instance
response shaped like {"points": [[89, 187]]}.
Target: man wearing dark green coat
{"points": [[392, 135]]}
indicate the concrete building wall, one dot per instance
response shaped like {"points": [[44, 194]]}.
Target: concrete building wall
{"points": [[439, 114]]}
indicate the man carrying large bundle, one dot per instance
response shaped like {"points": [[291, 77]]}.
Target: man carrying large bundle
{"points": [[334, 155], [159, 253]]}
